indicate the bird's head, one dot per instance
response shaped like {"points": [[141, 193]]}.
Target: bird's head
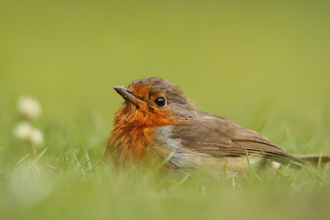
{"points": [[151, 102]]}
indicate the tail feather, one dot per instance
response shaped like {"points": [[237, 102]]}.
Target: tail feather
{"points": [[314, 159]]}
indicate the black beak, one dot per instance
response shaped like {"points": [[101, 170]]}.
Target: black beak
{"points": [[127, 95]]}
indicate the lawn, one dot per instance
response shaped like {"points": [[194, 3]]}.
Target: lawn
{"points": [[264, 65]]}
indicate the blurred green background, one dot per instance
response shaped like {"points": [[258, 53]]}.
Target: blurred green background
{"points": [[262, 64], [223, 54]]}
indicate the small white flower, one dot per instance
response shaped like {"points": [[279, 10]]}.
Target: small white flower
{"points": [[28, 134], [36, 137], [28, 186], [29, 107], [23, 130]]}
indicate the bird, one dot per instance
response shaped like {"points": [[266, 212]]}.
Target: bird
{"points": [[157, 121]]}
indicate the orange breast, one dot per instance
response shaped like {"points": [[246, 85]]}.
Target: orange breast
{"points": [[134, 134]]}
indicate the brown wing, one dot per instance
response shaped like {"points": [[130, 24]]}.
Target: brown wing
{"points": [[220, 137]]}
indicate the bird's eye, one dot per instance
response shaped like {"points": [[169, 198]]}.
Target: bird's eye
{"points": [[160, 101]]}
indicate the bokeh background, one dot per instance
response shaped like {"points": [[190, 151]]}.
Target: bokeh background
{"points": [[262, 64], [265, 61]]}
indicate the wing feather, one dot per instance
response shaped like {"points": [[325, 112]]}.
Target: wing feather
{"points": [[220, 137]]}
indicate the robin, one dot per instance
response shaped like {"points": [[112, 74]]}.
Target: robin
{"points": [[158, 121]]}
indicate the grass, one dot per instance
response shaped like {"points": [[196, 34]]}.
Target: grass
{"points": [[264, 65], [65, 179]]}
